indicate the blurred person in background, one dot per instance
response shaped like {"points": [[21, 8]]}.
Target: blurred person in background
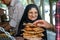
{"points": [[15, 9]]}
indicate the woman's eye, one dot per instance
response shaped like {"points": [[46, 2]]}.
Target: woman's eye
{"points": [[30, 12], [36, 12]]}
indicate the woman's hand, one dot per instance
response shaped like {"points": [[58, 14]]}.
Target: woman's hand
{"points": [[42, 23]]}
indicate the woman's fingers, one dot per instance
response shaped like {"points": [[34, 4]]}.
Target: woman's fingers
{"points": [[38, 21], [41, 23]]}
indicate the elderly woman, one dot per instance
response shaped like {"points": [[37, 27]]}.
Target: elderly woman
{"points": [[31, 15]]}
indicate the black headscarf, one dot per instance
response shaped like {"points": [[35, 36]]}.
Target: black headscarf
{"points": [[25, 15], [25, 18]]}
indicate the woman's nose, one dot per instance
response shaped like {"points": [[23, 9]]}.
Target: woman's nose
{"points": [[33, 14]]}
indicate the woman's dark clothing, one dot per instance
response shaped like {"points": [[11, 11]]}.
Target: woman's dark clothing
{"points": [[26, 20]]}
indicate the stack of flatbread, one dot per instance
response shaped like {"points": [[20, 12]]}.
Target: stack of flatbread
{"points": [[32, 31]]}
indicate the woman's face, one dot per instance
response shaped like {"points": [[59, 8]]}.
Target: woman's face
{"points": [[32, 14]]}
